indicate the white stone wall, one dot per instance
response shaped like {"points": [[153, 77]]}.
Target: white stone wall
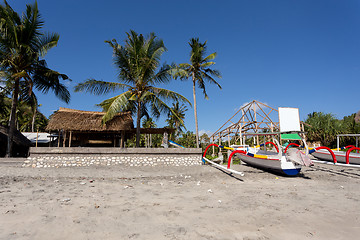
{"points": [[45, 161]]}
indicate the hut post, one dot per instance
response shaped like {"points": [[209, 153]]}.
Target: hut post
{"points": [[150, 140], [58, 138], [64, 140], [122, 139], [70, 138]]}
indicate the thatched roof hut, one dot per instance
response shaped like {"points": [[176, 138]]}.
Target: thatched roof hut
{"points": [[85, 128], [86, 121]]}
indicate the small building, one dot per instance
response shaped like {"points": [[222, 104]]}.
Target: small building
{"points": [[77, 128], [40, 139]]}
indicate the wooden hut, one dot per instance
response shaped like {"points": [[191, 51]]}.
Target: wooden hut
{"points": [[77, 128]]}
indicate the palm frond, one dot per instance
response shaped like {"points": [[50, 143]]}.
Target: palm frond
{"points": [[99, 87], [169, 95], [115, 105]]}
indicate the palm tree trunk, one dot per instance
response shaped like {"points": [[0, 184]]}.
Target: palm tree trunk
{"points": [[138, 125], [33, 121], [12, 119], [195, 112]]}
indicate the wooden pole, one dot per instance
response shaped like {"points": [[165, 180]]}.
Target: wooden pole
{"points": [[229, 137], [64, 140], [70, 138], [122, 139], [59, 138], [256, 125], [213, 147]]}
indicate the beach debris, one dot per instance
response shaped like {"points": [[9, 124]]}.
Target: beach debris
{"points": [[96, 206], [198, 183], [128, 186], [82, 183], [56, 181], [10, 211], [65, 200], [276, 178], [342, 187], [187, 177], [210, 191], [91, 181], [268, 194], [219, 201], [161, 184]]}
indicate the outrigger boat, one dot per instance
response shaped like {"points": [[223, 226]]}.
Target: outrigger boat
{"points": [[337, 155], [285, 161], [340, 156]]}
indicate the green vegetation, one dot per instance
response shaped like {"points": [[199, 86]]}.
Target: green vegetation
{"points": [[22, 68], [138, 62], [324, 127], [176, 119]]}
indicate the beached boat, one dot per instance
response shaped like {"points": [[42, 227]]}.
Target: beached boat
{"points": [[340, 156], [285, 161], [288, 163]]}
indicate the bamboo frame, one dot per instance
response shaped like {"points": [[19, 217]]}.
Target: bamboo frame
{"points": [[253, 117]]}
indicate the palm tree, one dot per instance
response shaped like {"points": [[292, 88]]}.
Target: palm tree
{"points": [[22, 47], [199, 71], [176, 118], [137, 62]]}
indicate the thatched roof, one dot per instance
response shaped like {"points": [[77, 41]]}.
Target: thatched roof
{"points": [[85, 121]]}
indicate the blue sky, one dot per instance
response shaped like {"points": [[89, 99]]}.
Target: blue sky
{"points": [[285, 53]]}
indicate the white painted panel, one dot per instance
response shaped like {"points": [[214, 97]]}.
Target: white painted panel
{"points": [[289, 119]]}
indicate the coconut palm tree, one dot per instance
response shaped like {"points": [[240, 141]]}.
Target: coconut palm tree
{"points": [[22, 48], [176, 118], [137, 61], [199, 71]]}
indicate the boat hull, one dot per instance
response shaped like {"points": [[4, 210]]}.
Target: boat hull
{"points": [[273, 165], [354, 158]]}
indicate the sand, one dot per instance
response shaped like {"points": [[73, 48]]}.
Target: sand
{"points": [[178, 203]]}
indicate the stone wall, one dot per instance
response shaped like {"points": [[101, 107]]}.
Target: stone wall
{"points": [[78, 157]]}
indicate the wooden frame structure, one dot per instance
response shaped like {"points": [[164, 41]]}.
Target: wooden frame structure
{"points": [[253, 117]]}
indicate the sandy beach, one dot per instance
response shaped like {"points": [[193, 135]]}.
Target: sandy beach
{"points": [[199, 202]]}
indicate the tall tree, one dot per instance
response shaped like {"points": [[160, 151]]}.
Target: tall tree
{"points": [[199, 71], [22, 48], [176, 118], [137, 61]]}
